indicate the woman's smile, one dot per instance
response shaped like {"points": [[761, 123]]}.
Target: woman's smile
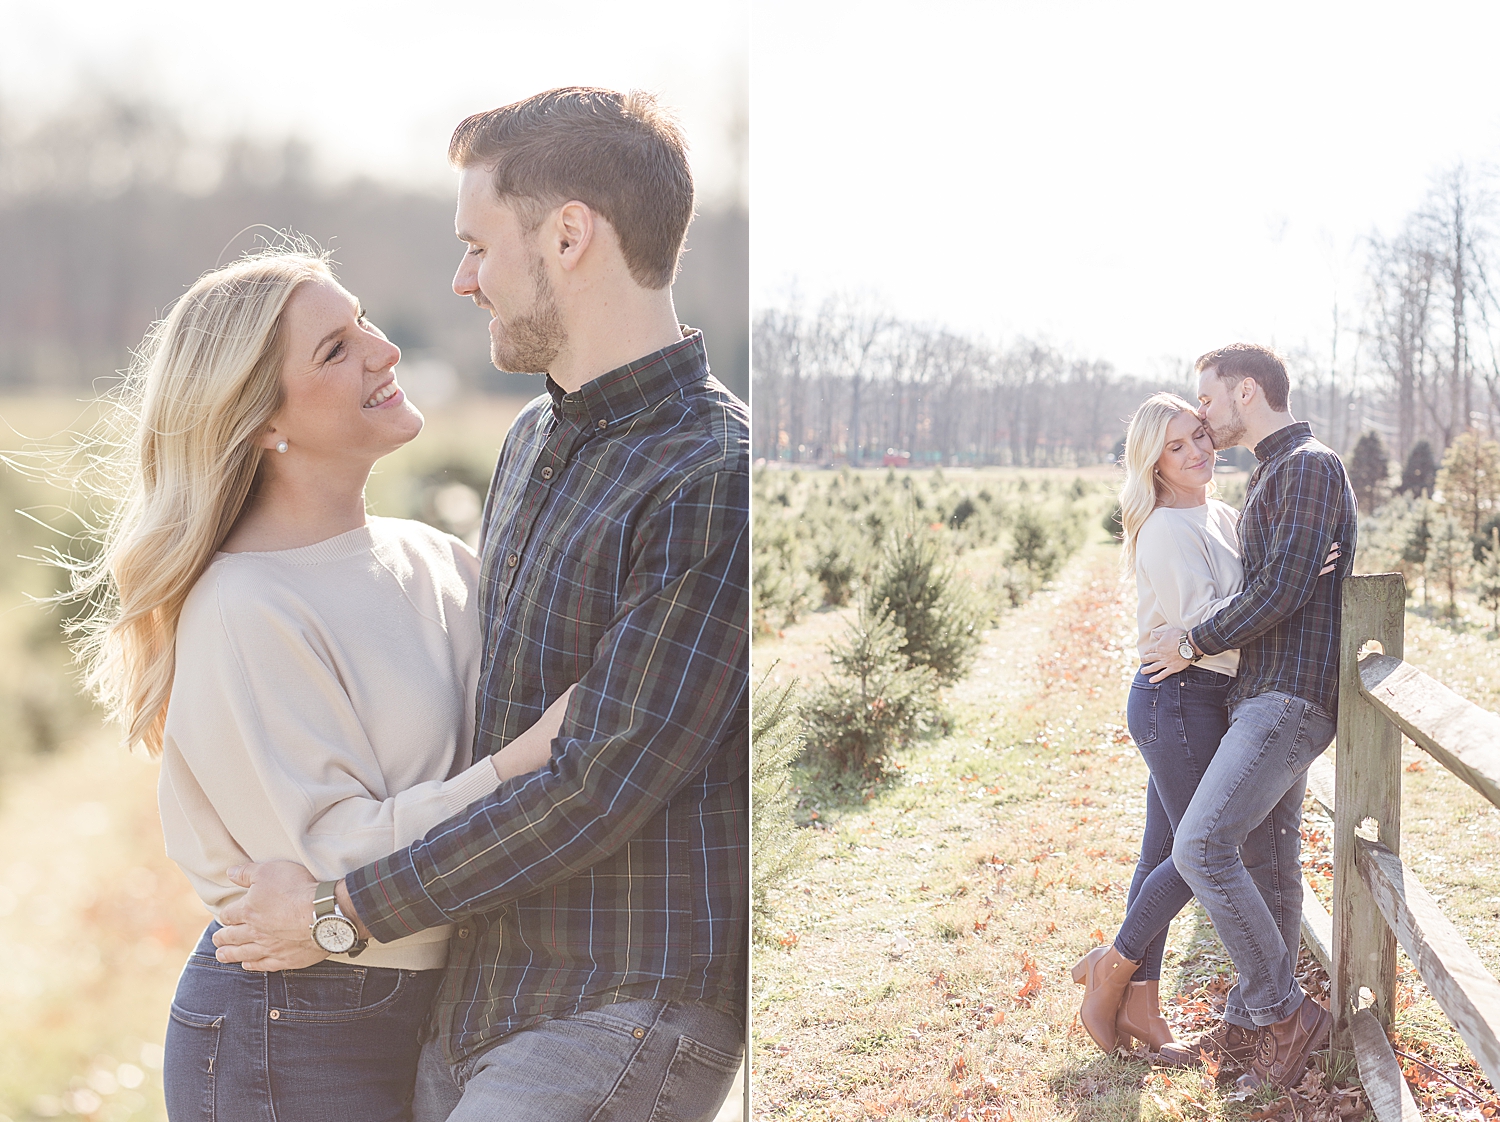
{"points": [[387, 392]]}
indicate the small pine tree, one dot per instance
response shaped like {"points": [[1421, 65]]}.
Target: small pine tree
{"points": [[873, 703], [1449, 557], [1367, 471], [1419, 474], [937, 616], [1114, 524], [1487, 529], [1470, 479], [1417, 546], [778, 849], [1489, 580], [1031, 547]]}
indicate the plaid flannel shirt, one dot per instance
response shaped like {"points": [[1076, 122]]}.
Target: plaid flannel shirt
{"points": [[615, 554], [1286, 620]]}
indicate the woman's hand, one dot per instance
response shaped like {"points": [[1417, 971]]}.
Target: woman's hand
{"points": [[533, 748], [1331, 563]]}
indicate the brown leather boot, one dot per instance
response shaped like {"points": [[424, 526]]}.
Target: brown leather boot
{"points": [[1283, 1049], [1140, 1017], [1104, 977], [1224, 1045]]}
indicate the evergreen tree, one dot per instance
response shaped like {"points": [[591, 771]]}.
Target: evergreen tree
{"points": [[1489, 579], [1417, 547], [1470, 479], [778, 849], [874, 702], [937, 617], [1449, 555], [1420, 472], [1367, 471]]}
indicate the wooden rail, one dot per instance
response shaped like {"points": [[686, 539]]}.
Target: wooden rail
{"points": [[1377, 900]]}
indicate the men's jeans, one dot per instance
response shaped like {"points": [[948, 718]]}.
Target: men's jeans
{"points": [[632, 1061], [1254, 894]]}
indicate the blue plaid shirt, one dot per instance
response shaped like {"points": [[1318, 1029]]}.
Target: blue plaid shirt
{"points": [[615, 554], [1286, 621]]}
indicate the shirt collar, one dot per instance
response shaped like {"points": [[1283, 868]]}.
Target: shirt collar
{"points": [[1283, 440], [626, 390]]}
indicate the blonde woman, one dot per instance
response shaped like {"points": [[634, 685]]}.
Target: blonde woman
{"points": [[1182, 545], [305, 672]]}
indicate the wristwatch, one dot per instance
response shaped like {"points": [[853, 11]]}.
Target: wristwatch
{"points": [[1185, 648], [332, 930]]}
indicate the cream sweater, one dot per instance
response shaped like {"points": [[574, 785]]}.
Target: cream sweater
{"points": [[1187, 566], [323, 711]]}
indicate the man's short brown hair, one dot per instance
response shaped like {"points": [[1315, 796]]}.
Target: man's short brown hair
{"points": [[622, 154], [1239, 361]]}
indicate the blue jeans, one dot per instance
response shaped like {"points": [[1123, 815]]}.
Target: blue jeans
{"points": [[1177, 724], [1249, 878], [632, 1061], [331, 1043]]}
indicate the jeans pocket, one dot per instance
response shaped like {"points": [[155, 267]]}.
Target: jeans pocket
{"points": [[697, 1079], [1140, 710], [1314, 733], [350, 994], [192, 1048]]}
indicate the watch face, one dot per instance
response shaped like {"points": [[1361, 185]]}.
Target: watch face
{"points": [[334, 934]]}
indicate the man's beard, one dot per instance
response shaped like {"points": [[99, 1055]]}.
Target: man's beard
{"points": [[1231, 433], [530, 344]]}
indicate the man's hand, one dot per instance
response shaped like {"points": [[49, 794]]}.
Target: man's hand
{"points": [[1162, 659], [270, 927]]}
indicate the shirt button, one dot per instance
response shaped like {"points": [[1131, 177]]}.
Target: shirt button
{"points": [[639, 1033], [463, 932], [513, 560], [603, 424], [546, 473], [275, 1014]]}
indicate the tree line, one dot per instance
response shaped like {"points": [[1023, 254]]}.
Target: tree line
{"points": [[851, 384], [110, 207], [1416, 363]]}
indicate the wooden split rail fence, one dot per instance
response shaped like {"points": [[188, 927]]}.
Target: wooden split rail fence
{"points": [[1377, 900]]}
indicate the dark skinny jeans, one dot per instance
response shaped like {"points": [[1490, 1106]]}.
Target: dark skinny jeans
{"points": [[1177, 724]]}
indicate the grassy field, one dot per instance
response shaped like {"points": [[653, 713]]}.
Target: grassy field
{"points": [[919, 967], [95, 922]]}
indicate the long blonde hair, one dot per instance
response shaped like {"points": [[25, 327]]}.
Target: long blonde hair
{"points": [[176, 464], [1143, 490]]}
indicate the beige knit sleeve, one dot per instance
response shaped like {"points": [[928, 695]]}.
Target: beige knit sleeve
{"points": [[269, 737]]}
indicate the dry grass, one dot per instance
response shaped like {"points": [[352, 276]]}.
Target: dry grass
{"points": [[922, 971]]}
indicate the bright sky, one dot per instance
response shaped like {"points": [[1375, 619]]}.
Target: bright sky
{"points": [[379, 85], [1131, 181]]}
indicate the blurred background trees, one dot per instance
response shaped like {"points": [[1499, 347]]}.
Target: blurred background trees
{"points": [[110, 207]]}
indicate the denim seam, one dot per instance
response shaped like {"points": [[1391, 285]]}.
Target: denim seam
{"points": [[625, 1069], [1261, 964], [344, 1016]]}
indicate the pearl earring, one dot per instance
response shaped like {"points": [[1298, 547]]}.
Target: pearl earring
{"points": [[281, 446]]}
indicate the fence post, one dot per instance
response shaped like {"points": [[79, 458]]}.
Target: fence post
{"points": [[1367, 784]]}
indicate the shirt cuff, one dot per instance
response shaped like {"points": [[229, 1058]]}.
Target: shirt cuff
{"points": [[390, 898], [1207, 639]]}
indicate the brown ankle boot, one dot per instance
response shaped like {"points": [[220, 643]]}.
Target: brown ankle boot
{"points": [[1105, 977], [1224, 1046], [1283, 1049], [1140, 1017]]}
